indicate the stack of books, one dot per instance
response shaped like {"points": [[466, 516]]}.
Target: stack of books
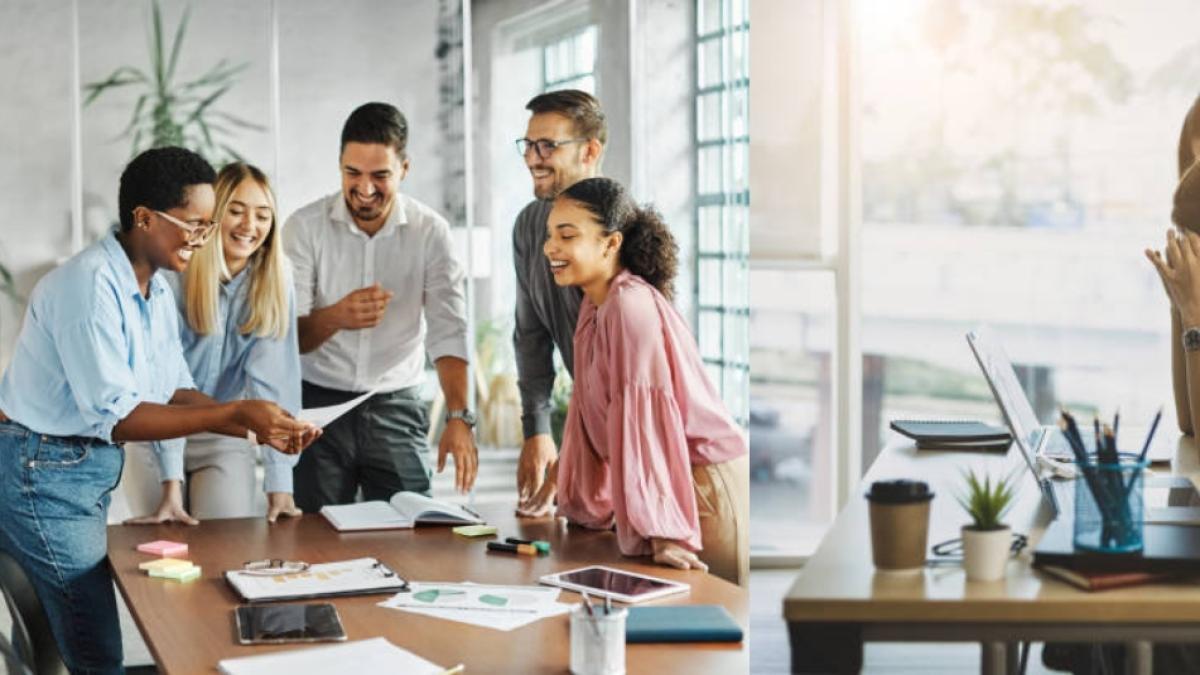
{"points": [[969, 435]]}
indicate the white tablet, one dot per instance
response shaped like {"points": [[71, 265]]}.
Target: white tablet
{"points": [[608, 582]]}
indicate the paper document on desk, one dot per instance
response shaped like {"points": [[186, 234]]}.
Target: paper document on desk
{"points": [[498, 607], [376, 655], [327, 414]]}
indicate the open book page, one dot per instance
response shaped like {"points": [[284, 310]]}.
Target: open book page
{"points": [[376, 655], [375, 515], [421, 509]]}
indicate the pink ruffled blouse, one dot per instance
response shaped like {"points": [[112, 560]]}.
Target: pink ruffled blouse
{"points": [[643, 412]]}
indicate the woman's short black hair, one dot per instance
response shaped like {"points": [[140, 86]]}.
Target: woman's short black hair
{"points": [[158, 179]]}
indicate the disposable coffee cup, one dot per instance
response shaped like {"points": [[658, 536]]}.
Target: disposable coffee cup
{"points": [[899, 511]]}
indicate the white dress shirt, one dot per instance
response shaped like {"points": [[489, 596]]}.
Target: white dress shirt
{"points": [[411, 255]]}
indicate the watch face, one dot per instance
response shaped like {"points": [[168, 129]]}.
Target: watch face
{"points": [[464, 415]]}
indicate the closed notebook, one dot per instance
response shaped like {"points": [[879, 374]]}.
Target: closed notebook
{"points": [[1100, 581], [683, 623], [950, 431]]}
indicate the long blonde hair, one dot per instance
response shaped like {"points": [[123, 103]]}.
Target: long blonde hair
{"points": [[268, 315]]}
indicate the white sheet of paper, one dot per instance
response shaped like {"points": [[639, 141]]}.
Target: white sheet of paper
{"points": [[525, 604], [376, 655], [327, 414]]}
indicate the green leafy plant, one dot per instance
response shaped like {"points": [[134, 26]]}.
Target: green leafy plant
{"points": [[986, 501], [8, 286], [168, 112]]}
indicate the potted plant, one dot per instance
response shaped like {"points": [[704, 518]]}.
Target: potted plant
{"points": [[987, 540]]}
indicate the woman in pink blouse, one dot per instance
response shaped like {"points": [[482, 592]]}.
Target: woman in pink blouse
{"points": [[648, 445]]}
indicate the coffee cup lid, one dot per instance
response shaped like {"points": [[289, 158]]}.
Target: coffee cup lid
{"points": [[901, 491]]}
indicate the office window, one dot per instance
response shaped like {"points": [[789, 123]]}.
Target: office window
{"points": [[723, 197], [1016, 159], [570, 62]]}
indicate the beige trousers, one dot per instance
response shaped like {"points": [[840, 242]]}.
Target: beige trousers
{"points": [[220, 477], [723, 499]]}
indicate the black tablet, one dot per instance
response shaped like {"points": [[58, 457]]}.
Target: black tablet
{"points": [[273, 624]]}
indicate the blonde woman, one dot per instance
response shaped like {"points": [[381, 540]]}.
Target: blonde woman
{"points": [[238, 329]]}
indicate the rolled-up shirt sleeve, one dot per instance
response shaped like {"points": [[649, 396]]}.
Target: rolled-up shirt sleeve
{"points": [[444, 298], [95, 363]]}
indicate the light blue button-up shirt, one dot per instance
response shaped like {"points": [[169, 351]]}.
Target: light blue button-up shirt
{"points": [[93, 348], [230, 366]]}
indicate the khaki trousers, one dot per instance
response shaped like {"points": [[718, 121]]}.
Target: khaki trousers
{"points": [[220, 478], [723, 499]]}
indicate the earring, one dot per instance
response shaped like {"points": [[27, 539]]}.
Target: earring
{"points": [[145, 224]]}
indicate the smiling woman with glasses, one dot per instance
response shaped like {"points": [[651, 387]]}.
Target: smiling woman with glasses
{"points": [[98, 363], [237, 323]]}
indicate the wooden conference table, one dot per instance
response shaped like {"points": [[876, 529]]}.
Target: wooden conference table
{"points": [[839, 600], [189, 627]]}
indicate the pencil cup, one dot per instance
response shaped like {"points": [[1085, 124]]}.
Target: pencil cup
{"points": [[1109, 505], [598, 641]]}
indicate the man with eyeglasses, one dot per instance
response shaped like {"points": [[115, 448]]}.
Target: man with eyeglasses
{"points": [[563, 144]]}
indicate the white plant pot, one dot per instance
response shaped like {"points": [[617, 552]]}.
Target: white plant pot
{"points": [[985, 553]]}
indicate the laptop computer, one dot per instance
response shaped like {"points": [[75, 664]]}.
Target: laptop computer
{"points": [[1168, 499]]}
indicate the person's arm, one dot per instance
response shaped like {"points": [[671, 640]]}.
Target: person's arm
{"points": [[444, 304], [654, 499], [1179, 376], [533, 347]]}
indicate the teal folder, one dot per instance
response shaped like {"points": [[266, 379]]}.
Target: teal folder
{"points": [[686, 623]]}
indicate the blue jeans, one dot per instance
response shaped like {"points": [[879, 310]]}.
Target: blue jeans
{"points": [[54, 495]]}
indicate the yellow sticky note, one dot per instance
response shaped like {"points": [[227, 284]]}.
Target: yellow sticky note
{"points": [[475, 530], [164, 564], [178, 573]]}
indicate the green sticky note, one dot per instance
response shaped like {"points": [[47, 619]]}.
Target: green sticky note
{"points": [[177, 573], [475, 530]]}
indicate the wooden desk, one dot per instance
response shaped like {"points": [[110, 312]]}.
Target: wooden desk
{"points": [[839, 600], [189, 627]]}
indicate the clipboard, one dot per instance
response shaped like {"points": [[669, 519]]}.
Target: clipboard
{"points": [[361, 576]]}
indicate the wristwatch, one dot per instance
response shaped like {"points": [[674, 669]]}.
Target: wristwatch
{"points": [[1191, 339], [469, 418]]}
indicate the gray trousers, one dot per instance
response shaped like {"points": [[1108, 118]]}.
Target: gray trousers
{"points": [[380, 446], [220, 478]]}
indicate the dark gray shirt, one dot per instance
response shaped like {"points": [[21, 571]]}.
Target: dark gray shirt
{"points": [[546, 316]]}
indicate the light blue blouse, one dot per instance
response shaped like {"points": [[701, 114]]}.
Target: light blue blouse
{"points": [[230, 366], [93, 348]]}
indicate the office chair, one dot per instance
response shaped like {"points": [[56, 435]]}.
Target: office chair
{"points": [[32, 640], [12, 661]]}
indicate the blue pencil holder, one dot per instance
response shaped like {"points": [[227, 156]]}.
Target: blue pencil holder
{"points": [[1109, 505]]}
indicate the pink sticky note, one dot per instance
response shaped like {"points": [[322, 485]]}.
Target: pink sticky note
{"points": [[164, 548]]}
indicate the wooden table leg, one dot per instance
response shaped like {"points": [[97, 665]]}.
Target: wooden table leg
{"points": [[998, 658], [826, 648]]}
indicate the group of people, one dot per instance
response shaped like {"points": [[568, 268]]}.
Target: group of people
{"points": [[168, 352]]}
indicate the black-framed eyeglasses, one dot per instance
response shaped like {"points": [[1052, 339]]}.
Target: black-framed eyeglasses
{"points": [[196, 234], [544, 146]]}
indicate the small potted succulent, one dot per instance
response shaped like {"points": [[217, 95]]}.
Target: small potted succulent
{"points": [[987, 541]]}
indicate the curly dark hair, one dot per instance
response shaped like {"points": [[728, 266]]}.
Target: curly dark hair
{"points": [[648, 248], [158, 179]]}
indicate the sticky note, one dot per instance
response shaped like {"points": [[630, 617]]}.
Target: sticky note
{"points": [[164, 548], [475, 530], [177, 573], [164, 564]]}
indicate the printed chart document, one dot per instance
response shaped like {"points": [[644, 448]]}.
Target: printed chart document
{"points": [[323, 416], [403, 510], [361, 576], [498, 607], [376, 655]]}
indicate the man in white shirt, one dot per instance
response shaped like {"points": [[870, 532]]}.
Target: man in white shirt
{"points": [[378, 287]]}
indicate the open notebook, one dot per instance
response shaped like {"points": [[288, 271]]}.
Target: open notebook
{"points": [[403, 510]]}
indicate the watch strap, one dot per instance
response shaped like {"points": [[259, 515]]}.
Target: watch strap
{"points": [[1191, 339]]}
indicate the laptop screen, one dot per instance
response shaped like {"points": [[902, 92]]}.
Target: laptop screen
{"points": [[1011, 398]]}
